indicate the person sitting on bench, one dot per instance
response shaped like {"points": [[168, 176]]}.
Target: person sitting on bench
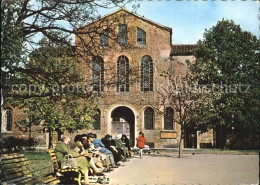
{"points": [[126, 143], [141, 142], [94, 162], [121, 147], [82, 163], [101, 147], [103, 158], [110, 144]]}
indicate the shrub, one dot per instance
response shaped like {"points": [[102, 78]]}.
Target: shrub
{"points": [[248, 143], [15, 144]]}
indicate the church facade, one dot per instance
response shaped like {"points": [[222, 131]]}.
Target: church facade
{"points": [[124, 70], [125, 73]]}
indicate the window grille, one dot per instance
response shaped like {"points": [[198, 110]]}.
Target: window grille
{"points": [[104, 38], [146, 74], [148, 118], [141, 37], [96, 123], [168, 119], [122, 35], [98, 74], [8, 120], [122, 74]]}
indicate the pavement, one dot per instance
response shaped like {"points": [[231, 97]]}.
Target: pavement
{"points": [[168, 169]]}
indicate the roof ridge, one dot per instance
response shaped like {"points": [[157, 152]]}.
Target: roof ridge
{"points": [[142, 17], [135, 14]]}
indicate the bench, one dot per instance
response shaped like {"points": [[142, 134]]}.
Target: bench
{"points": [[66, 176], [15, 170], [136, 150]]}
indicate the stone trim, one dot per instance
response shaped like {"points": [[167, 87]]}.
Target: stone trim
{"points": [[183, 49]]}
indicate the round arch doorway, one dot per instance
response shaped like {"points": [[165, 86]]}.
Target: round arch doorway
{"points": [[123, 122]]}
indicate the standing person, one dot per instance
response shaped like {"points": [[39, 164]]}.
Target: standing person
{"points": [[141, 142], [62, 149]]}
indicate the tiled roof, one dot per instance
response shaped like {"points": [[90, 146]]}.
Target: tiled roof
{"points": [[183, 49]]}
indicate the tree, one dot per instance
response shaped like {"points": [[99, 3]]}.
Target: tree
{"points": [[32, 78], [180, 91], [23, 22], [227, 59], [67, 107], [70, 114], [11, 45]]}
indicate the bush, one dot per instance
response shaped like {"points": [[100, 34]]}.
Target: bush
{"points": [[15, 144], [248, 143]]}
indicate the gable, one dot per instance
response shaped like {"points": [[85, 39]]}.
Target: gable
{"points": [[124, 11]]}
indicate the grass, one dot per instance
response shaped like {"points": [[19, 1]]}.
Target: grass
{"points": [[40, 163]]}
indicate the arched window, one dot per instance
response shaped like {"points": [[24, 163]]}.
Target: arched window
{"points": [[141, 37], [8, 120], [122, 74], [98, 74], [146, 74], [96, 123], [148, 118], [168, 119], [104, 38]]}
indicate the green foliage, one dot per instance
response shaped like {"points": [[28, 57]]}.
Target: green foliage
{"points": [[228, 58], [24, 22], [71, 113], [12, 45], [15, 144], [56, 106], [11, 36], [38, 80]]}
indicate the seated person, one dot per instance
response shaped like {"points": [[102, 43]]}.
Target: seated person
{"points": [[80, 149], [120, 145], [111, 145], [101, 147], [82, 163], [98, 156], [126, 143]]}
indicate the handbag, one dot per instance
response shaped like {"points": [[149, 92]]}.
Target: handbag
{"points": [[68, 162]]}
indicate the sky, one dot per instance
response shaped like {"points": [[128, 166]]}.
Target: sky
{"points": [[189, 19]]}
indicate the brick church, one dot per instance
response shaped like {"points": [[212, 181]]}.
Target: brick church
{"points": [[125, 73]]}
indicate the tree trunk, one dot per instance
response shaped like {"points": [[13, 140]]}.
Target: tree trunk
{"points": [[223, 137], [30, 132], [50, 145], [181, 143], [59, 134]]}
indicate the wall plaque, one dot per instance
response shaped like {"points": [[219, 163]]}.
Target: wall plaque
{"points": [[168, 134]]}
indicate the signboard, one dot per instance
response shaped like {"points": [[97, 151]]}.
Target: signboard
{"points": [[168, 134]]}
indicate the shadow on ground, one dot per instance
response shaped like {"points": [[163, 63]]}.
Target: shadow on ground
{"points": [[168, 155]]}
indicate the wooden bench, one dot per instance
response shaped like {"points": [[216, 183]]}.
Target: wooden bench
{"points": [[66, 176], [15, 170]]}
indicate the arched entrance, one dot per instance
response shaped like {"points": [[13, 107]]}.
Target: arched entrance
{"points": [[123, 122]]}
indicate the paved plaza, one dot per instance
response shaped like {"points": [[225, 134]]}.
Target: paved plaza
{"points": [[168, 169]]}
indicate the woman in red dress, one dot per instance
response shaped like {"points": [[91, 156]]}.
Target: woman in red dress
{"points": [[141, 142]]}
